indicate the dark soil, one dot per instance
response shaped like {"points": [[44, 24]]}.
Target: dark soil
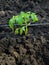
{"points": [[8, 8], [32, 49]]}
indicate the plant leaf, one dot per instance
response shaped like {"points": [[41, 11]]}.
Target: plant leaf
{"points": [[34, 17], [25, 16], [17, 31], [19, 20], [22, 14], [11, 23], [21, 30]]}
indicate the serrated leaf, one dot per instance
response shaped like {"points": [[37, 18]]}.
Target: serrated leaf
{"points": [[19, 20], [25, 16], [11, 23], [22, 14], [34, 17], [17, 31]]}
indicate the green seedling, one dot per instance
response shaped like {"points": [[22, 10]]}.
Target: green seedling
{"points": [[22, 18]]}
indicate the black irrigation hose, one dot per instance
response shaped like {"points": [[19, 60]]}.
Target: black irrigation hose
{"points": [[37, 24], [6, 25]]}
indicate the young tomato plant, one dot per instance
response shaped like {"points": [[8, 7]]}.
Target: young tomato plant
{"points": [[22, 18]]}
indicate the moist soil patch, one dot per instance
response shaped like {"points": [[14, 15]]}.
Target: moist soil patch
{"points": [[32, 49]]}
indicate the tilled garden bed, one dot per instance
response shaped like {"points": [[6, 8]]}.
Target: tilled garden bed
{"points": [[25, 50], [32, 49]]}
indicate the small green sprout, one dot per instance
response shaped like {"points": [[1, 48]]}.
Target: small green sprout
{"points": [[22, 18]]}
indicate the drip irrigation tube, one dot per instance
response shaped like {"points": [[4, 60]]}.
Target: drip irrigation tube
{"points": [[36, 24], [6, 25]]}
